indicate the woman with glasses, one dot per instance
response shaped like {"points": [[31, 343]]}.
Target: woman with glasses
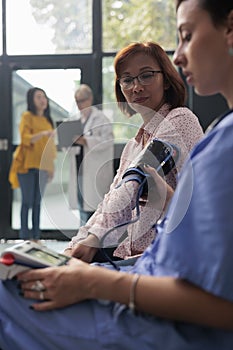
{"points": [[179, 294], [146, 82]]}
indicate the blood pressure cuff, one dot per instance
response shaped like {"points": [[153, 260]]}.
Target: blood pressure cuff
{"points": [[158, 154]]}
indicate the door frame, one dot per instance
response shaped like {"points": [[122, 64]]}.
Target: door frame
{"points": [[90, 75]]}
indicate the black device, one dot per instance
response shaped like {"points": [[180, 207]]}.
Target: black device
{"points": [[159, 154]]}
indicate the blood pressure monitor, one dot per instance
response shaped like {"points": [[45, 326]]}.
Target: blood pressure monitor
{"points": [[27, 255]]}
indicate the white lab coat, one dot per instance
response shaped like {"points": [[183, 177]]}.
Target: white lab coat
{"points": [[97, 164]]}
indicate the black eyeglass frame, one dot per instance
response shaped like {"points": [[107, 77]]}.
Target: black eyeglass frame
{"points": [[138, 78]]}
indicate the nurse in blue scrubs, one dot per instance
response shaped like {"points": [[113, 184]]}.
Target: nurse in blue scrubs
{"points": [[179, 294]]}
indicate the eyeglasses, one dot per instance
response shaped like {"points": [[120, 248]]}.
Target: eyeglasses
{"points": [[144, 78], [81, 100]]}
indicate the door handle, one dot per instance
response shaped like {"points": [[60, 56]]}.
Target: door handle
{"points": [[3, 144]]}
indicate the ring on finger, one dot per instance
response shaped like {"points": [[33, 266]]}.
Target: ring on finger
{"points": [[38, 286]]}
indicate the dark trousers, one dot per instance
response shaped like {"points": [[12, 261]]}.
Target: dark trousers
{"points": [[32, 185]]}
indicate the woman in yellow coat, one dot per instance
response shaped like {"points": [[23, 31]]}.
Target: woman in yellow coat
{"points": [[33, 160]]}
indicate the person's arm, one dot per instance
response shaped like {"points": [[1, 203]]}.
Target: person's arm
{"points": [[165, 297], [80, 140], [39, 135], [85, 249], [160, 192], [26, 131], [82, 242], [116, 209], [178, 300]]}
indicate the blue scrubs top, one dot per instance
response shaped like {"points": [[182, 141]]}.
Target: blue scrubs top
{"points": [[194, 242]]}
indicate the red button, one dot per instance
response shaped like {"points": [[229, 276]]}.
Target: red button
{"points": [[7, 259]]}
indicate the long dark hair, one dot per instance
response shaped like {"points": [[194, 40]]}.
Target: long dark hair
{"points": [[175, 95], [217, 9], [31, 105]]}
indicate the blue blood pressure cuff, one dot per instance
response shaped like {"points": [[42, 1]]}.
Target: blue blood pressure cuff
{"points": [[158, 154]]}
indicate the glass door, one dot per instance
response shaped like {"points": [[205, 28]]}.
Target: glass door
{"points": [[59, 85]]}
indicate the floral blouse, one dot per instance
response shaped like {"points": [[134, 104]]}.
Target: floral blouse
{"points": [[178, 126]]}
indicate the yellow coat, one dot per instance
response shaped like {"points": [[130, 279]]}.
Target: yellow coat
{"points": [[39, 155]]}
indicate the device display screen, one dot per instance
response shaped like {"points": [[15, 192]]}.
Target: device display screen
{"points": [[46, 257]]}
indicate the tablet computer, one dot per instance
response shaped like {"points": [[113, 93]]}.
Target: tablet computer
{"points": [[67, 130]]}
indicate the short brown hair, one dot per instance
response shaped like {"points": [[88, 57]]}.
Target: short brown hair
{"points": [[175, 95], [218, 10]]}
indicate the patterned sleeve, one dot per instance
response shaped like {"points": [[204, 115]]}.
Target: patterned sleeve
{"points": [[116, 208]]}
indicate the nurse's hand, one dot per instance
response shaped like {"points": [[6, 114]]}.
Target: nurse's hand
{"points": [[56, 287], [161, 193]]}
